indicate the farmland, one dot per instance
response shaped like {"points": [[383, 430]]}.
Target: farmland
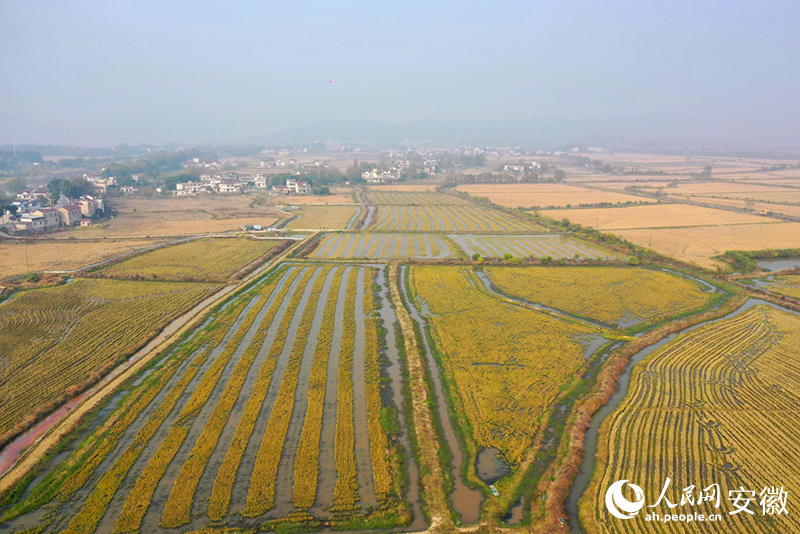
{"points": [[412, 198], [271, 411], [304, 399], [175, 223], [404, 188], [715, 406], [383, 246], [624, 297], [58, 340], [444, 218], [757, 206], [494, 350], [201, 258], [545, 195], [523, 246], [324, 217], [657, 216], [20, 258], [698, 245], [788, 285]]}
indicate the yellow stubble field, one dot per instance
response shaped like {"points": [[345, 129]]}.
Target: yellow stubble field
{"points": [[18, 258], [698, 245], [655, 216], [544, 195]]}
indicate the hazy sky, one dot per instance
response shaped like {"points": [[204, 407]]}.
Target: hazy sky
{"points": [[154, 71]]}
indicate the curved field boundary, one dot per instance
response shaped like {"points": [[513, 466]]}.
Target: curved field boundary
{"points": [[696, 403]]}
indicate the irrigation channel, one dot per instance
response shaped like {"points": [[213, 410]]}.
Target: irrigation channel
{"points": [[465, 500], [587, 465], [291, 299]]}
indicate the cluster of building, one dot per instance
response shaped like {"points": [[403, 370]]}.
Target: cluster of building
{"points": [[381, 177], [292, 187], [525, 167], [31, 216], [233, 183]]}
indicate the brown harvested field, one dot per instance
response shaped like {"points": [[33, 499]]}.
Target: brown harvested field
{"points": [[784, 195], [655, 216], [640, 181], [698, 245], [19, 258], [172, 223], [544, 195], [405, 188], [206, 202], [722, 188], [310, 199], [174, 216], [794, 211]]}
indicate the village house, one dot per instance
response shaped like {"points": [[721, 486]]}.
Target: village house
{"points": [[129, 189], [32, 194], [229, 186], [50, 216], [30, 222], [86, 222], [375, 177], [27, 205], [279, 190], [90, 205], [188, 188], [300, 188], [70, 215]]}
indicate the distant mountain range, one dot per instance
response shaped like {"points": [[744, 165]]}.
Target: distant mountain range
{"points": [[644, 131]]}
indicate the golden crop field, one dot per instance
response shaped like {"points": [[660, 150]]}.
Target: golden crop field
{"points": [[57, 338], [18, 258], [698, 245], [523, 246], [788, 285], [508, 362], [323, 218], [272, 410], [545, 195], [412, 198], [445, 218], [715, 406], [207, 257], [612, 295], [382, 246], [655, 216]]}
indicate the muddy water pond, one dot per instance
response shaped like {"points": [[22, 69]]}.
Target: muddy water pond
{"points": [[778, 264], [490, 467]]}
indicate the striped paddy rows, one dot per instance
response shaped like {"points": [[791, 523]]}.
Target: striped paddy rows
{"points": [[382, 246], [252, 411], [716, 406], [452, 218], [522, 246], [397, 198]]}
